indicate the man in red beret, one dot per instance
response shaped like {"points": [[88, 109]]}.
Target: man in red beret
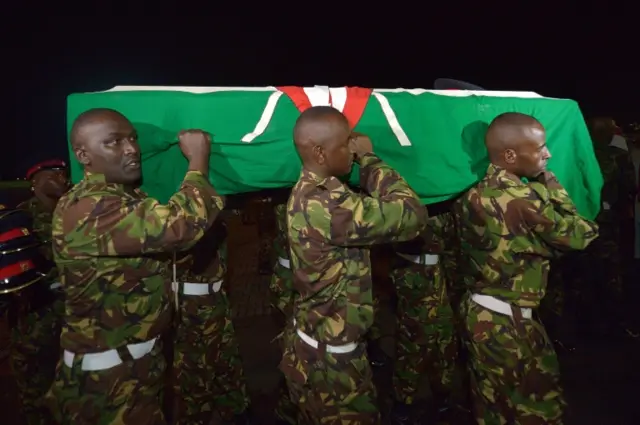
{"points": [[36, 341]]}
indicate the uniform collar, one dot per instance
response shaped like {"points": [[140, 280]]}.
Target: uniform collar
{"points": [[313, 177], [498, 176], [94, 177], [100, 178]]}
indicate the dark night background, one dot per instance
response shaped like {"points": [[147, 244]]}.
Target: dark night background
{"points": [[586, 54]]}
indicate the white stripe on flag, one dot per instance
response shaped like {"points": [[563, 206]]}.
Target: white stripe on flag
{"points": [[338, 97], [265, 119], [392, 120], [318, 95]]}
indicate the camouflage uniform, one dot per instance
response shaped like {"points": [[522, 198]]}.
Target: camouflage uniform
{"points": [[426, 335], [281, 285], [509, 230], [35, 341], [282, 299], [329, 227], [208, 370], [117, 296]]}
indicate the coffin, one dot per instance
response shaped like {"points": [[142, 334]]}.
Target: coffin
{"points": [[433, 138]]}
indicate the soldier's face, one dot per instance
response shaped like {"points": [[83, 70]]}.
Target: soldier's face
{"points": [[50, 183], [110, 147], [338, 157], [531, 157]]}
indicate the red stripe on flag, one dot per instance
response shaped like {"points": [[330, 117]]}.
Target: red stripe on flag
{"points": [[16, 269], [357, 98], [297, 96]]}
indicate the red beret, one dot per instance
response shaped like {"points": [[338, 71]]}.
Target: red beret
{"points": [[52, 164]]}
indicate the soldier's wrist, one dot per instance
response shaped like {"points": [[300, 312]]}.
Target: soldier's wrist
{"points": [[367, 158]]}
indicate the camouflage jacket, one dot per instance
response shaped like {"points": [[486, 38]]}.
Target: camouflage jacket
{"points": [[438, 238], [509, 230], [206, 262], [329, 228], [619, 178], [116, 291], [434, 239], [281, 243], [41, 224], [41, 218]]}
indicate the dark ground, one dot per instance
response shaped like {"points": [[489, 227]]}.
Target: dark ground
{"points": [[601, 377]]}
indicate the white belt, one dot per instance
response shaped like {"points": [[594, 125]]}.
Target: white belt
{"points": [[55, 285], [110, 358], [284, 262], [189, 288], [336, 349], [426, 259], [499, 306]]}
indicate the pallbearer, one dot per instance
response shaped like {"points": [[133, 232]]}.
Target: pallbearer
{"points": [[329, 229], [117, 294]]}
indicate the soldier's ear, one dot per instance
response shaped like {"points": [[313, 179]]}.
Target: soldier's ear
{"points": [[318, 154], [510, 156], [82, 156]]}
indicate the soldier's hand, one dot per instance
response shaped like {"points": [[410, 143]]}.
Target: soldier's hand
{"points": [[360, 144], [549, 180], [546, 176], [196, 147]]}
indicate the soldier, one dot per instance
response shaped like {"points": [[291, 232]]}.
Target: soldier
{"points": [[207, 365], [117, 304], [281, 285], [282, 300], [426, 340], [509, 230], [35, 341], [329, 228]]}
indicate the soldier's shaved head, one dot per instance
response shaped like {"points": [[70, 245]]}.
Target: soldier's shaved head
{"points": [[321, 136], [106, 143], [88, 118], [517, 142]]}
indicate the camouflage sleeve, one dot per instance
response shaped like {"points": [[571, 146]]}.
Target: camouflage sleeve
{"points": [[133, 226], [437, 234], [557, 221], [392, 213]]}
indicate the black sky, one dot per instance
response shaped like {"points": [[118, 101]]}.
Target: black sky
{"points": [[585, 54]]}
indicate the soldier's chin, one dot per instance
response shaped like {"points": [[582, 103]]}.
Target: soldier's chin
{"points": [[348, 170], [132, 176]]}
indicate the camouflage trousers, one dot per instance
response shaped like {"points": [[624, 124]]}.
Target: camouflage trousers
{"points": [[35, 351], [426, 341], [286, 409], [127, 394], [207, 366], [282, 297], [328, 388], [515, 376]]}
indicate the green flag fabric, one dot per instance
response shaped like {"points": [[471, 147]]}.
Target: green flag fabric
{"points": [[435, 139]]}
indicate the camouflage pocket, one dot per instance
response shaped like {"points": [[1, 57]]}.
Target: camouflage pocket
{"points": [[292, 366], [348, 377]]}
